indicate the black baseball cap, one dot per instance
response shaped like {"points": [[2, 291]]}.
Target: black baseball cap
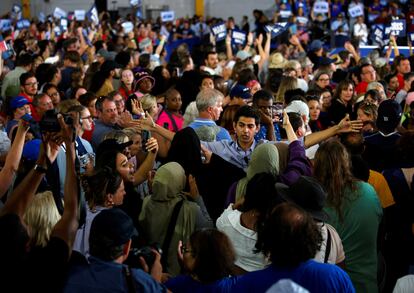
{"points": [[307, 193], [113, 225]]}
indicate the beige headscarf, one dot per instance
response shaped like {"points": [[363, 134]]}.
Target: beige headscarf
{"points": [[265, 159], [169, 182]]}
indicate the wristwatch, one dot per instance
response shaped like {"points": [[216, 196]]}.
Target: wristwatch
{"points": [[40, 168]]}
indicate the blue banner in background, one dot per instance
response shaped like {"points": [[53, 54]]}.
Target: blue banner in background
{"points": [[398, 27], [238, 37], [219, 31], [169, 47]]}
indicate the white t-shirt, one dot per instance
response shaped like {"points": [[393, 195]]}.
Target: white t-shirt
{"points": [[337, 254], [243, 240]]}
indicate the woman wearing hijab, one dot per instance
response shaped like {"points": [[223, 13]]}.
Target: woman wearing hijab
{"points": [[157, 210]]}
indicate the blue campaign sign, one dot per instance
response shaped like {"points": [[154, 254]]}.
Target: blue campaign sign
{"points": [[219, 31], [22, 24], [93, 15], [277, 28], [167, 16], [238, 37], [5, 25], [320, 7], [59, 13], [127, 26], [42, 17], [411, 37], [356, 10], [377, 33], [398, 27], [16, 11]]}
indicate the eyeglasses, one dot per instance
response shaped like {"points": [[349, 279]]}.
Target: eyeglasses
{"points": [[323, 79], [55, 94], [184, 249], [31, 84]]}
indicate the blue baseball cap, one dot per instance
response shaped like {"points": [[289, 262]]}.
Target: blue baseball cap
{"points": [[240, 91], [18, 102], [31, 149]]}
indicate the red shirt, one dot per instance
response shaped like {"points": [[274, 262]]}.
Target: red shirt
{"points": [[400, 82], [361, 88]]}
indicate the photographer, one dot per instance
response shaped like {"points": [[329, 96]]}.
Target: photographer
{"points": [[110, 243]]}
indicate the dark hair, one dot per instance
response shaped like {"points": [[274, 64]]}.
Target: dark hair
{"points": [[374, 94], [25, 76], [144, 60], [295, 120], [123, 58], [100, 101], [214, 255], [24, 59], [245, 75], [353, 142], [43, 44], [362, 66], [87, 98], [72, 56], [210, 53], [69, 42], [289, 236], [249, 112], [262, 95], [98, 80], [102, 248], [341, 86], [41, 72], [51, 71], [49, 86], [104, 181], [260, 195], [398, 59], [295, 94]]}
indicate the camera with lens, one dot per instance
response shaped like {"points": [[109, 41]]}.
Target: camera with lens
{"points": [[146, 253], [50, 123]]}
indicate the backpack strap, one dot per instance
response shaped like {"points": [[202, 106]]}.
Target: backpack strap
{"points": [[129, 280], [170, 232], [328, 245], [172, 120]]}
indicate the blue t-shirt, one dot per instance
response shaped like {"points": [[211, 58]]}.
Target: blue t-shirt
{"points": [[185, 283], [262, 133], [103, 276], [313, 276]]}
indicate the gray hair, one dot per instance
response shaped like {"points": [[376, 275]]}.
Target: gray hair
{"points": [[207, 98], [373, 85]]}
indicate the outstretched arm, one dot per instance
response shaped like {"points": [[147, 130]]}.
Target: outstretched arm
{"points": [[67, 226], [13, 159]]}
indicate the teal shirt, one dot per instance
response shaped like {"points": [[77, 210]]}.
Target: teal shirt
{"points": [[362, 214]]}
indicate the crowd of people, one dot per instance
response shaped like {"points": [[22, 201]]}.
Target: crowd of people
{"points": [[166, 159]]}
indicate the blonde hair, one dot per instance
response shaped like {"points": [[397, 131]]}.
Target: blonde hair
{"points": [[65, 105], [41, 216], [287, 83], [130, 132], [147, 101], [119, 135]]}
